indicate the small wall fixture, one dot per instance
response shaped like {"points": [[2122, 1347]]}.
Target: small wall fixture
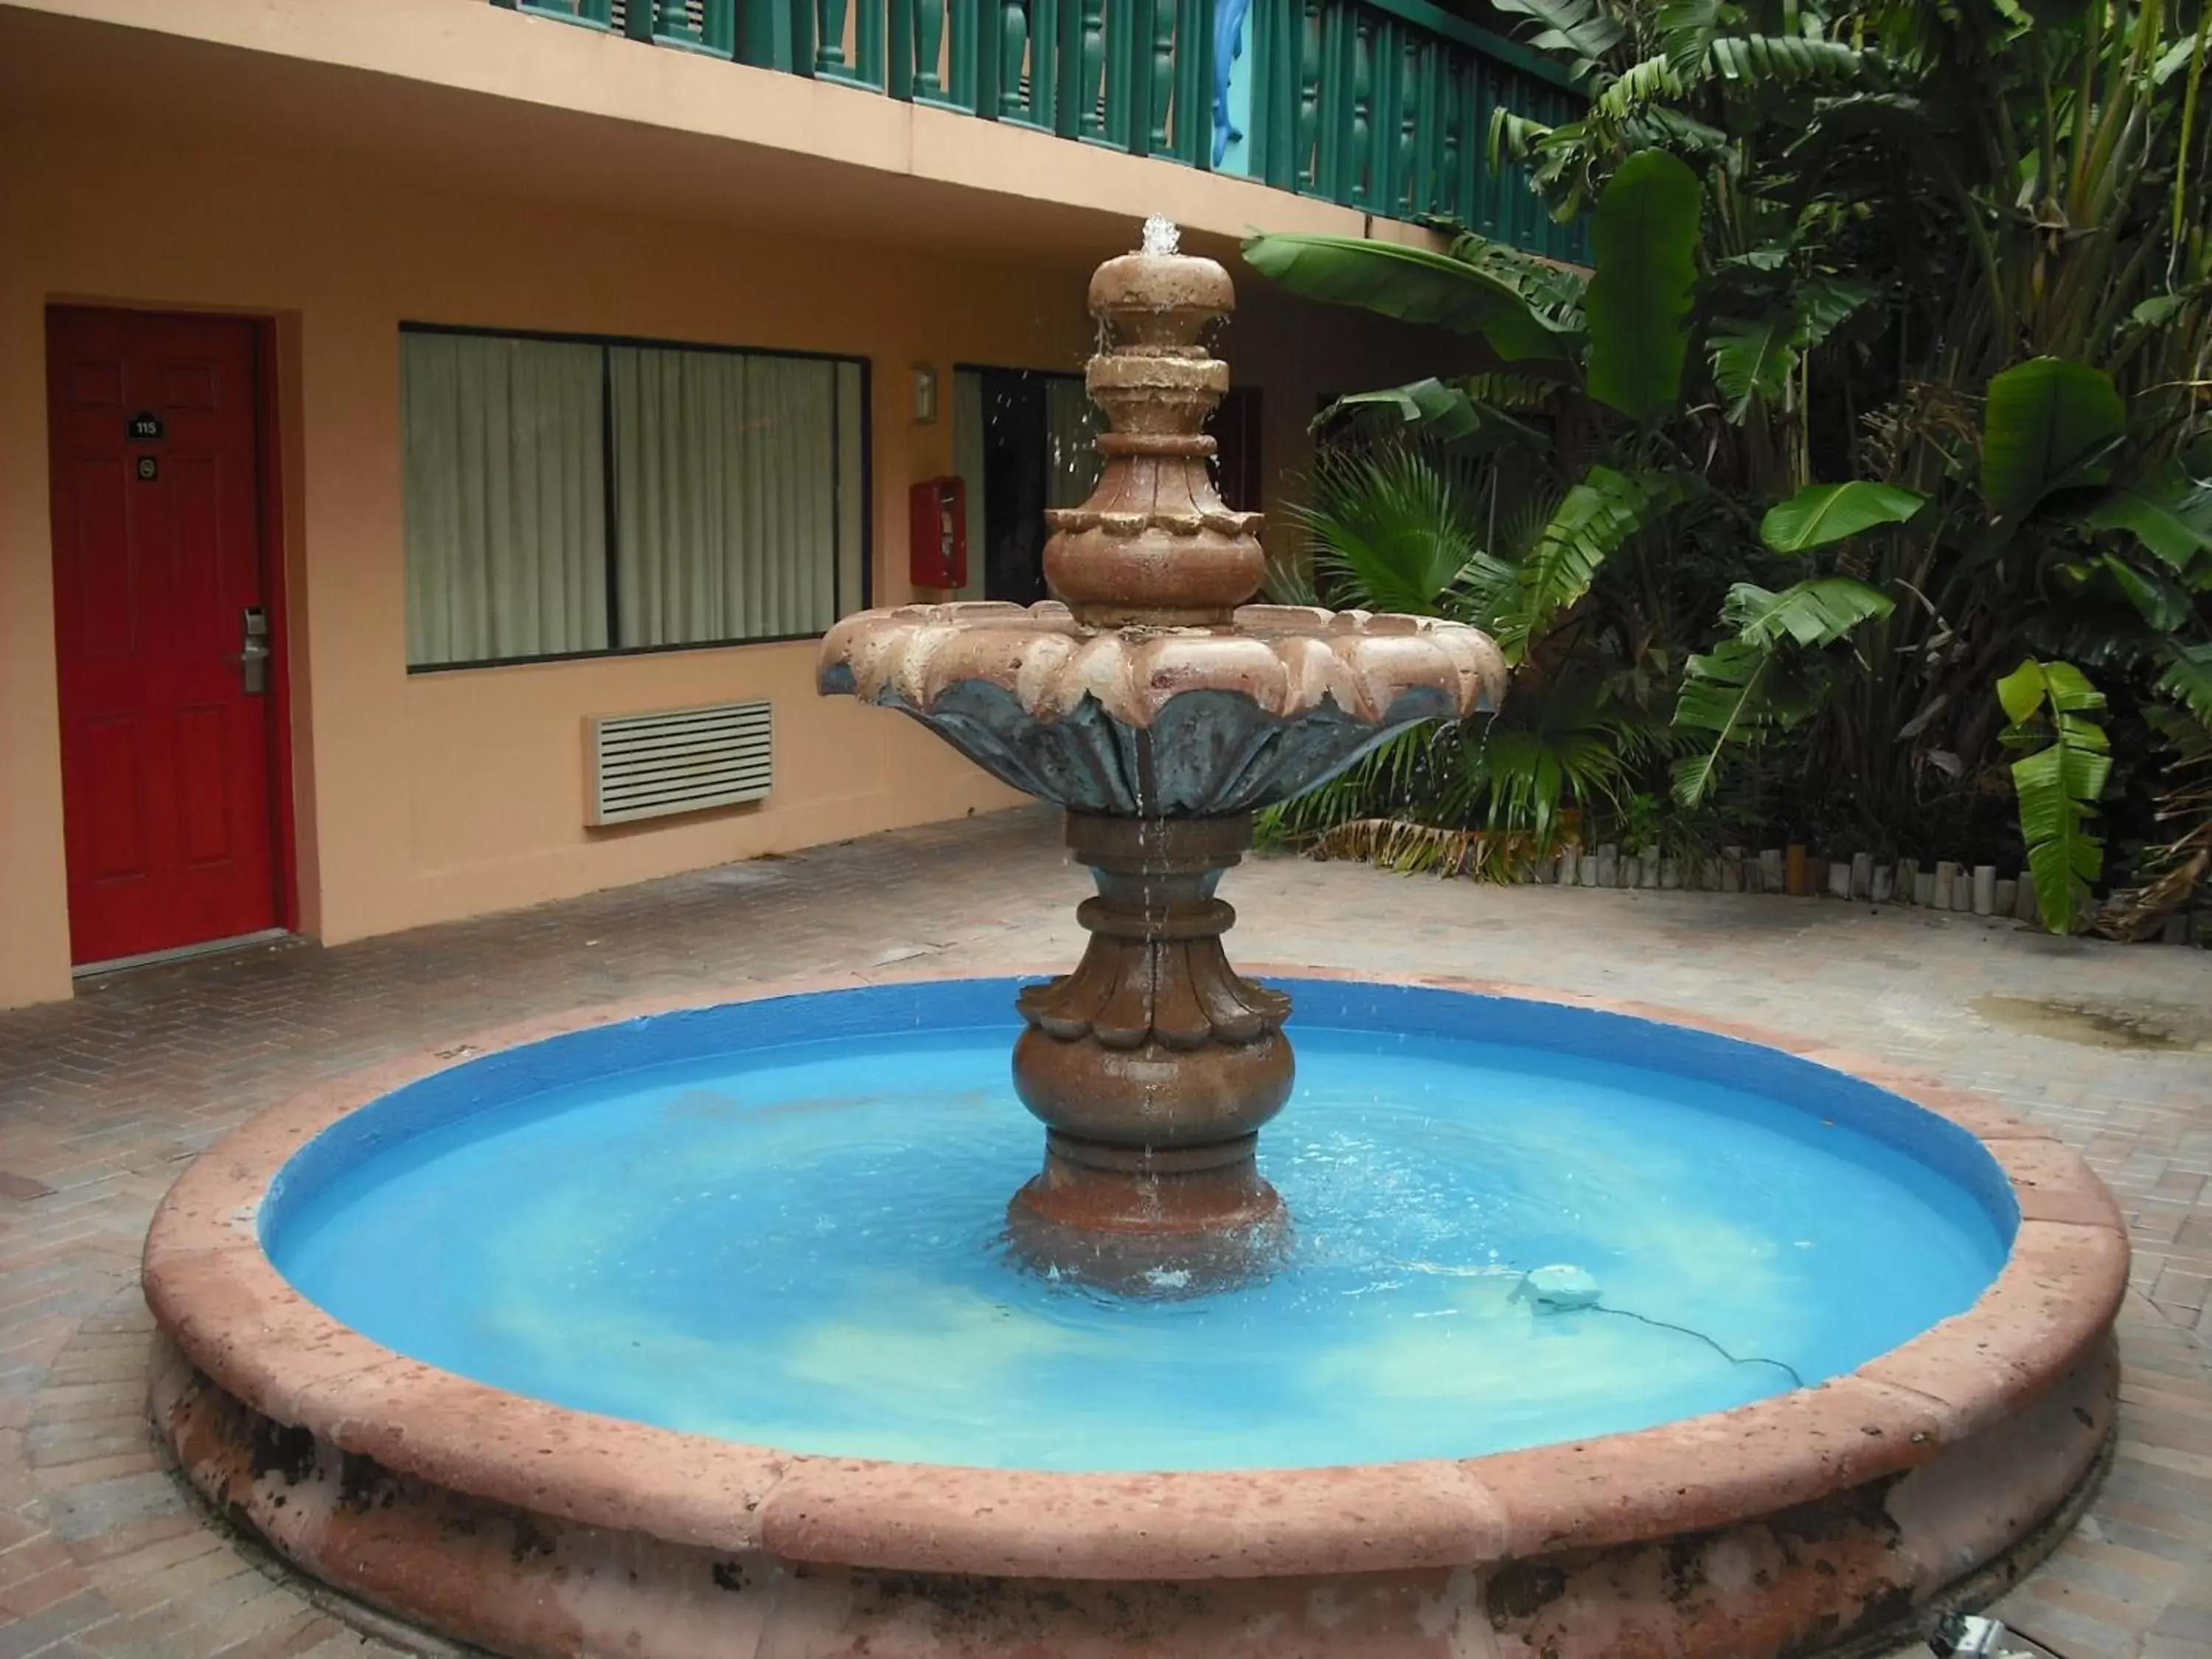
{"points": [[925, 394]]}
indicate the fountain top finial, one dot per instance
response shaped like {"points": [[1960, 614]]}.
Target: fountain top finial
{"points": [[1154, 545], [1159, 299]]}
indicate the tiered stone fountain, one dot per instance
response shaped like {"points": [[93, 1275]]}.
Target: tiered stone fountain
{"points": [[511, 1339], [1162, 711]]}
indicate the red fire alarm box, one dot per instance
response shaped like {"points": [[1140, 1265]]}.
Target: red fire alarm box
{"points": [[937, 533]]}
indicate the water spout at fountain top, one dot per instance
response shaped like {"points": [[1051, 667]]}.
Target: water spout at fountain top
{"points": [[1161, 235]]}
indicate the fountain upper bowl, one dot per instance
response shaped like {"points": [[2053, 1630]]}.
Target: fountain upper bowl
{"points": [[1163, 721]]}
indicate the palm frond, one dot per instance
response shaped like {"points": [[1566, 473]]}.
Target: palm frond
{"points": [[1564, 746], [1755, 360], [1432, 412], [1422, 763], [1289, 581], [1725, 692], [1554, 292], [1393, 529], [1424, 849], [2179, 871]]}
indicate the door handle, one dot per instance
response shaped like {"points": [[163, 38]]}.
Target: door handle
{"points": [[253, 651]]}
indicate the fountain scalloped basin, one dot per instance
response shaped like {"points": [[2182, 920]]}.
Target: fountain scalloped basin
{"points": [[780, 1222]]}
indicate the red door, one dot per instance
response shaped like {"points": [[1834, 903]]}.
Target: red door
{"points": [[159, 586]]}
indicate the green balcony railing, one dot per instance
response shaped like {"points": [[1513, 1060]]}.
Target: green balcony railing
{"points": [[1386, 105], [1380, 105]]}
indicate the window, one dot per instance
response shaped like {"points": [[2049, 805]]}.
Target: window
{"points": [[566, 498]]}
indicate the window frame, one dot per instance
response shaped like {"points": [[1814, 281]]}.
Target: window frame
{"points": [[607, 343]]}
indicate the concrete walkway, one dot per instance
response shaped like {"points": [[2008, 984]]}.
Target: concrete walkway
{"points": [[104, 1099]]}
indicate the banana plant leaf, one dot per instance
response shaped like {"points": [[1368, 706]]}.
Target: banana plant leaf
{"points": [[1755, 358], [1413, 285], [2050, 423], [2058, 784], [1580, 27], [2170, 514], [1755, 683], [2187, 677], [1821, 513], [1444, 413], [2158, 601], [1737, 691], [1644, 235], [1594, 520]]}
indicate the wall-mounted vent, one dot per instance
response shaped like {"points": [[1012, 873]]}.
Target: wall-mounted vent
{"points": [[679, 760]]}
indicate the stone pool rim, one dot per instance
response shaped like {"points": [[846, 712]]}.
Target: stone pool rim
{"points": [[233, 1319]]}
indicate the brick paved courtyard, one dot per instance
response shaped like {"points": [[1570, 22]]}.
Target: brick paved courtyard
{"points": [[103, 1100]]}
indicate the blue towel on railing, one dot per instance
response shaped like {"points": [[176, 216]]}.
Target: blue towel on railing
{"points": [[1227, 47]]}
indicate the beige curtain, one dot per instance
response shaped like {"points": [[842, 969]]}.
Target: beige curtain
{"points": [[505, 498], [1072, 461], [852, 496], [727, 471]]}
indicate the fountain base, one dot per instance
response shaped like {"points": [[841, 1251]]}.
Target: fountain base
{"points": [[1836, 1515], [1150, 1222]]}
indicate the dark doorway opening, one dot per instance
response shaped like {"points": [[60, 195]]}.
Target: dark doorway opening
{"points": [[1024, 441]]}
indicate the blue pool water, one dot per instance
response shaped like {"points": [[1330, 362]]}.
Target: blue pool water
{"points": [[780, 1222]]}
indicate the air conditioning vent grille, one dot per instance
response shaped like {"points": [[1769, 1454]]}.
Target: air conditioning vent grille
{"points": [[678, 760]]}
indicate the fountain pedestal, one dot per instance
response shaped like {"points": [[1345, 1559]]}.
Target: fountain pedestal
{"points": [[1153, 1066]]}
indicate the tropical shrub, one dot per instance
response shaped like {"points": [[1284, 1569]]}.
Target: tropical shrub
{"points": [[1890, 372]]}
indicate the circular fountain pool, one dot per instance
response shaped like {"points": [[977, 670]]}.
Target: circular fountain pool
{"points": [[779, 1223], [693, 1333]]}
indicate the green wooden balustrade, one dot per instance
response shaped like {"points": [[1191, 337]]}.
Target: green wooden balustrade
{"points": [[1380, 105], [1386, 105]]}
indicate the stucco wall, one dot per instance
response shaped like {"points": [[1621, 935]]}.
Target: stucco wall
{"points": [[423, 797], [426, 797]]}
